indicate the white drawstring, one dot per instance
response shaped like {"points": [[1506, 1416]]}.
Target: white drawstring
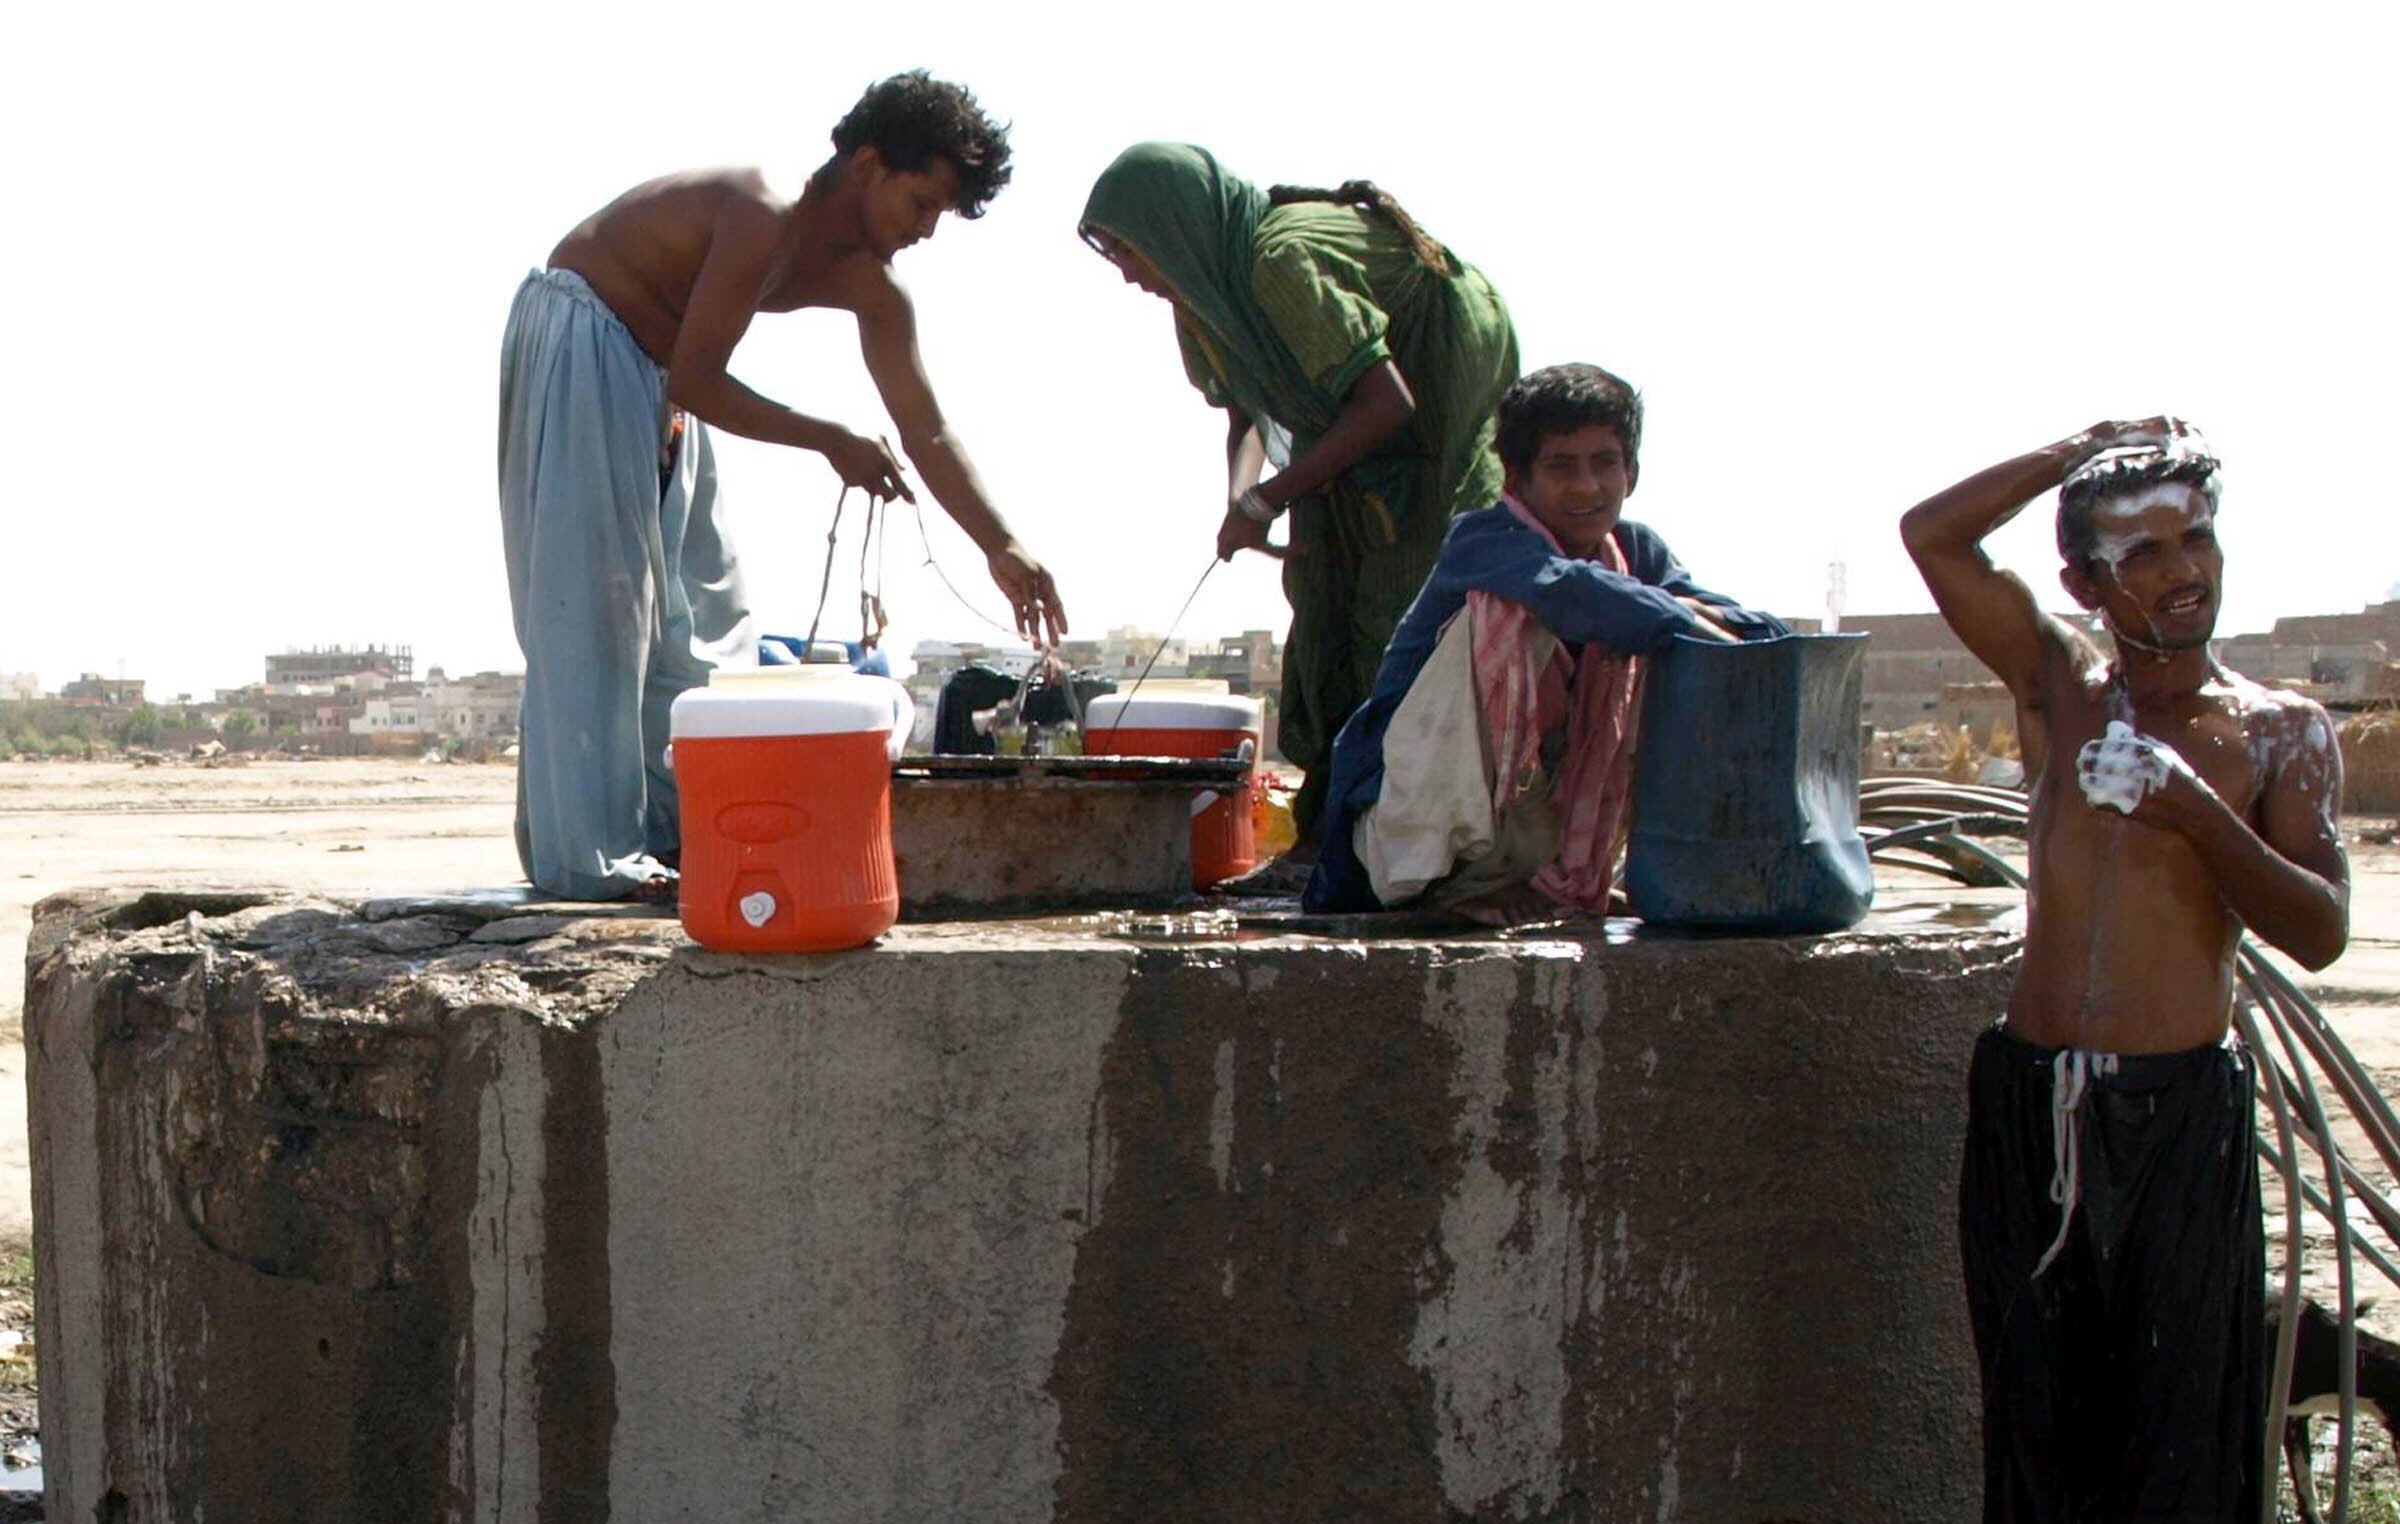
{"points": [[2071, 1070]]}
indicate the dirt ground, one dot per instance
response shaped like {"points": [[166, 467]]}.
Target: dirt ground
{"points": [[370, 826], [338, 827]]}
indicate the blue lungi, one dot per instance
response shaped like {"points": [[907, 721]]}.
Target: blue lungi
{"points": [[624, 590]]}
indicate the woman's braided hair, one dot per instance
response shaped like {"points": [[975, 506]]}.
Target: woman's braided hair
{"points": [[1368, 196]]}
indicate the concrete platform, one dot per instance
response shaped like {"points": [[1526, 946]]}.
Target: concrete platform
{"points": [[472, 1209]]}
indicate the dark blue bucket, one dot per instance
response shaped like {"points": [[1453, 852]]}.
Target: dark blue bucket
{"points": [[1745, 792]]}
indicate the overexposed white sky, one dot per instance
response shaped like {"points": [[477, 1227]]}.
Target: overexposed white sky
{"points": [[260, 258]]}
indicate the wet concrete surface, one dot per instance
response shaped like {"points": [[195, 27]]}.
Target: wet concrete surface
{"points": [[1186, 1217]]}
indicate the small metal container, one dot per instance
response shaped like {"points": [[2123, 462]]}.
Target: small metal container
{"points": [[993, 836]]}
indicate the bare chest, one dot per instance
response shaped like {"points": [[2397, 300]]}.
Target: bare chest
{"points": [[2224, 744], [791, 287]]}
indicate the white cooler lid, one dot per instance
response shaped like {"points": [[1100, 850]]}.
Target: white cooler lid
{"points": [[804, 703], [1182, 711]]}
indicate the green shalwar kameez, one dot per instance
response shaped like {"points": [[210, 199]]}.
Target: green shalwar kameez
{"points": [[1280, 310]]}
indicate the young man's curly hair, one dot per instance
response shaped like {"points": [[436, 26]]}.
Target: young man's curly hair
{"points": [[912, 119], [1560, 400]]}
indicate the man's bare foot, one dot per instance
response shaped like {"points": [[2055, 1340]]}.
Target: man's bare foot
{"points": [[1516, 905], [660, 890]]}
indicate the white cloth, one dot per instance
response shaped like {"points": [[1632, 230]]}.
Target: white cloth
{"points": [[1433, 819]]}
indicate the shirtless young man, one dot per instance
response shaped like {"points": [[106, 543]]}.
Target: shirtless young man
{"points": [[2116, 1276], [624, 591]]}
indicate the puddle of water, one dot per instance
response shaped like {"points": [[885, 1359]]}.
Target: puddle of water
{"points": [[1260, 925], [1241, 926], [1165, 926], [2001, 916], [27, 1477]]}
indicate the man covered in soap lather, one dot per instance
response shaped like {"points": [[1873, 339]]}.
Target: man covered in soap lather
{"points": [[2108, 1205], [1489, 771]]}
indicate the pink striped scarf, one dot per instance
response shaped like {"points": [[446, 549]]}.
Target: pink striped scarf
{"points": [[1521, 705]]}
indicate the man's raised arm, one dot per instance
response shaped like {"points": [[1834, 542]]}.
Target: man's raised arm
{"points": [[1993, 611], [887, 337]]}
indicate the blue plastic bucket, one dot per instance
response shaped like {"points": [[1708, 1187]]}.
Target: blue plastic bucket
{"points": [[1745, 793]]}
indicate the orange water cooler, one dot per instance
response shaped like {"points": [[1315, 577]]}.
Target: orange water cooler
{"points": [[1189, 720], [786, 785]]}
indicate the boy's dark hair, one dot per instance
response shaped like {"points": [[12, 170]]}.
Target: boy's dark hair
{"points": [[912, 119], [1560, 400], [2116, 475]]}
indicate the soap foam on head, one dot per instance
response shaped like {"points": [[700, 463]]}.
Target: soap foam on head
{"points": [[2115, 520], [2101, 500]]}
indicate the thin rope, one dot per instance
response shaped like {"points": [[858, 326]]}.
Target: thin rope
{"points": [[883, 519], [826, 584], [2070, 1076], [952, 587], [871, 622]]}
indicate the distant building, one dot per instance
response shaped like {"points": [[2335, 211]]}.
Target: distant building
{"points": [[1918, 673], [316, 712], [2253, 656], [1249, 663], [2344, 655], [322, 720], [479, 707], [327, 666], [92, 688], [1910, 659], [19, 687], [395, 712], [1127, 650], [937, 658]]}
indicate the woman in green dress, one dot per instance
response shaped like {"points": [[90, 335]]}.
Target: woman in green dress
{"points": [[1363, 357]]}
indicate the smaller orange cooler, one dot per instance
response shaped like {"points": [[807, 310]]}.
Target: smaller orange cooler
{"points": [[1188, 724], [786, 785]]}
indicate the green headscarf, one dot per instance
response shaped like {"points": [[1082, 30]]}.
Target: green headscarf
{"points": [[1198, 225], [1374, 531]]}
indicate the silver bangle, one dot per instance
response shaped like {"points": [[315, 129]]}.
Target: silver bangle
{"points": [[1256, 508]]}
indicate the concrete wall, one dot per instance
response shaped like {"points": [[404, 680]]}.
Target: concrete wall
{"points": [[458, 1213]]}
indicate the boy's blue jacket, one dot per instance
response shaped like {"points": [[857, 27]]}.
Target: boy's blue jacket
{"points": [[1581, 602]]}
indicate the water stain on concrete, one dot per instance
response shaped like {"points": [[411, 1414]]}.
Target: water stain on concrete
{"points": [[1229, 1344], [298, 1299], [574, 1374]]}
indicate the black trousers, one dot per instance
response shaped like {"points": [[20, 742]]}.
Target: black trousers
{"points": [[2126, 1382]]}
